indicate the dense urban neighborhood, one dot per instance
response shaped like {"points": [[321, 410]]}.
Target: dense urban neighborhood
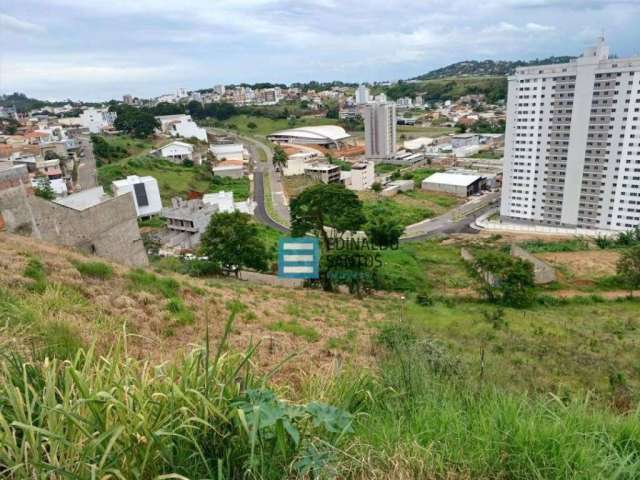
{"points": [[435, 277]]}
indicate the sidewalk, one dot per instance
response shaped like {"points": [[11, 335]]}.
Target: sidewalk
{"points": [[483, 223]]}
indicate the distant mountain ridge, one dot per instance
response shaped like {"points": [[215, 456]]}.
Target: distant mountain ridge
{"points": [[488, 67]]}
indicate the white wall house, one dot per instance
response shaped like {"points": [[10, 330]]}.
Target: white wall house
{"points": [[176, 152], [296, 163], [225, 203], [181, 126], [146, 194], [228, 151], [362, 176], [96, 119]]}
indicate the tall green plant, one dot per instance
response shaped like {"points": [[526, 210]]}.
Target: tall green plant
{"points": [[113, 416]]}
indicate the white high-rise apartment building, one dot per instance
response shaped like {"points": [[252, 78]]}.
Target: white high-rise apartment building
{"points": [[572, 147], [362, 95], [379, 131]]}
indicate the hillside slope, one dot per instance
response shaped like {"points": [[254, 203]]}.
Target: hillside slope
{"points": [[487, 67], [49, 304]]}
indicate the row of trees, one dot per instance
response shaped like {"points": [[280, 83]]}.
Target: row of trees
{"points": [[137, 122]]}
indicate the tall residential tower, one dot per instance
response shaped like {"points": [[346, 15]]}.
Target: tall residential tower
{"points": [[379, 130], [572, 147]]}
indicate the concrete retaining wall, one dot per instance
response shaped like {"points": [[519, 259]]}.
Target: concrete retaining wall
{"points": [[543, 272], [109, 229], [487, 276]]}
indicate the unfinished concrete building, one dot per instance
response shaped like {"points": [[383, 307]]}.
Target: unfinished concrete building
{"points": [[89, 221]]}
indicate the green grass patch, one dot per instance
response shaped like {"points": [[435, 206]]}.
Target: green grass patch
{"points": [[265, 125], [295, 328], [173, 180], [540, 246], [58, 339], [99, 270], [179, 311], [141, 280], [35, 271], [386, 167], [239, 186], [406, 214], [439, 199], [153, 222]]}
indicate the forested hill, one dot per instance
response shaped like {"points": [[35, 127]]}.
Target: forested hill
{"points": [[487, 67]]}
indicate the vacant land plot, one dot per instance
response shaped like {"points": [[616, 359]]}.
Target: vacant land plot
{"points": [[410, 207], [420, 131], [173, 180], [265, 126], [588, 265], [563, 349], [295, 184]]}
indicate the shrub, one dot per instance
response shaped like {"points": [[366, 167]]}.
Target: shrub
{"points": [[97, 270], [512, 278]]}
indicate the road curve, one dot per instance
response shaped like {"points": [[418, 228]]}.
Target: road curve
{"points": [[260, 213]]}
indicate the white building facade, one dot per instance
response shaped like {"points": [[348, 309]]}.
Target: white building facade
{"points": [[379, 131], [572, 151], [181, 126], [146, 194], [362, 95], [362, 176], [96, 119]]}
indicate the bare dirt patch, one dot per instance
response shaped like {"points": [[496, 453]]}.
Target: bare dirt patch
{"points": [[585, 265]]}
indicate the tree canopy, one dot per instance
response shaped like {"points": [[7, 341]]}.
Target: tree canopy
{"points": [[232, 242], [326, 205], [280, 158], [137, 122], [382, 228]]}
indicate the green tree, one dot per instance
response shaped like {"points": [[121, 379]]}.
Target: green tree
{"points": [[383, 229], [628, 268], [376, 187], [137, 122], [195, 109], [280, 158], [252, 126], [232, 241], [44, 188], [326, 205], [507, 280]]}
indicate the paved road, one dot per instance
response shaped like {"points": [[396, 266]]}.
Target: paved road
{"points": [[443, 226], [259, 171], [87, 170], [260, 212], [457, 220]]}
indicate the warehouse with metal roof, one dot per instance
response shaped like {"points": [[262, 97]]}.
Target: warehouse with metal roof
{"points": [[460, 184]]}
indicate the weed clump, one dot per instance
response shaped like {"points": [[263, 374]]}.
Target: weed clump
{"points": [[99, 270]]}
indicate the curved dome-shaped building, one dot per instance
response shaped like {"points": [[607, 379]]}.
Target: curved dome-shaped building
{"points": [[320, 135]]}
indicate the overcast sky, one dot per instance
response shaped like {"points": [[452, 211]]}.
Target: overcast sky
{"points": [[102, 49]]}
